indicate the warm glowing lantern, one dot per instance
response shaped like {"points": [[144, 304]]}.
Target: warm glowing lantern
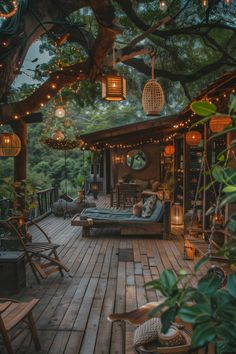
{"points": [[58, 135], [169, 150], [60, 112], [10, 144], [177, 217], [193, 137], [219, 122], [113, 84], [113, 87]]}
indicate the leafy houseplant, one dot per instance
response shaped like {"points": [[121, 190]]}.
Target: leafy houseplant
{"points": [[208, 308]]}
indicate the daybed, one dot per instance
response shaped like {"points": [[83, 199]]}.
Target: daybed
{"points": [[156, 224]]}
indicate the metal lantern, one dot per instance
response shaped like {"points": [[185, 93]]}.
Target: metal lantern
{"points": [[10, 144], [153, 99], [113, 84], [177, 217], [113, 87], [169, 150], [193, 137], [219, 122]]}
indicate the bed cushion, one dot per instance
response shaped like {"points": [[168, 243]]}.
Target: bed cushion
{"points": [[121, 215], [149, 206]]}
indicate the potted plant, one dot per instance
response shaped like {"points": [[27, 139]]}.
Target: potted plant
{"points": [[207, 307], [210, 306]]}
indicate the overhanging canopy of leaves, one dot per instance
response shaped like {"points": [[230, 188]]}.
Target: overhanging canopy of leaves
{"points": [[193, 45]]}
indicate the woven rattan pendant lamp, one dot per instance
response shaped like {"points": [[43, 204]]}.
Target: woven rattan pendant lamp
{"points": [[153, 99], [10, 144], [113, 84]]}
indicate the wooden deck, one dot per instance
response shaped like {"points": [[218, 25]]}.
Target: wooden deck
{"points": [[72, 313]]}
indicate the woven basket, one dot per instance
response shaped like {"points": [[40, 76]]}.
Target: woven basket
{"points": [[153, 98]]}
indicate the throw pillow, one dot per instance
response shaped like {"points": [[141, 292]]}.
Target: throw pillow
{"points": [[155, 186], [137, 209], [149, 206]]}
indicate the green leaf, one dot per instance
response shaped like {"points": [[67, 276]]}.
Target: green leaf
{"points": [[209, 284], [168, 279], [167, 318], [229, 189], [190, 314], [201, 261], [218, 174], [203, 108], [231, 284], [229, 199], [203, 334]]}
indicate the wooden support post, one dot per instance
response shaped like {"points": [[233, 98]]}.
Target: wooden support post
{"points": [[20, 161]]}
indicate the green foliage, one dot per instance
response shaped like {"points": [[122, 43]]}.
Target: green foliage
{"points": [[208, 308], [203, 108]]}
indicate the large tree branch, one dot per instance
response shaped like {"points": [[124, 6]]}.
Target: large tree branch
{"points": [[140, 65]]}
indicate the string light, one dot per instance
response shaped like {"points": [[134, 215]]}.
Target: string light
{"points": [[10, 13]]}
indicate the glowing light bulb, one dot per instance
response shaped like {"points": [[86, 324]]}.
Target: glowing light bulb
{"points": [[163, 5], [60, 112], [7, 140]]}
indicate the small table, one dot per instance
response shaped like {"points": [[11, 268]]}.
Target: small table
{"points": [[12, 272]]}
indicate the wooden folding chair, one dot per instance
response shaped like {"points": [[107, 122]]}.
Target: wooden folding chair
{"points": [[12, 313], [42, 256]]}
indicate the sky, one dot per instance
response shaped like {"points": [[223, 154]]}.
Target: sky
{"points": [[28, 66]]}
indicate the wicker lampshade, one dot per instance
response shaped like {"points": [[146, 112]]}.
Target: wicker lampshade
{"points": [[153, 99], [218, 123], [169, 150], [193, 137], [10, 144], [113, 87]]}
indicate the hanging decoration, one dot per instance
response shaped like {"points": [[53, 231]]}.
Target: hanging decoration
{"points": [[10, 144], [163, 5], [205, 2], [169, 150], [61, 134], [193, 137], [6, 13], [153, 99], [219, 122], [113, 84], [59, 108]]}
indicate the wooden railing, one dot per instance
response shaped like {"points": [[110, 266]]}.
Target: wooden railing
{"points": [[45, 199]]}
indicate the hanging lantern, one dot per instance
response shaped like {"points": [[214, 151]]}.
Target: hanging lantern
{"points": [[113, 84], [219, 122], [59, 107], [177, 217], [113, 87], [193, 137], [60, 112], [169, 150], [58, 135], [153, 99], [10, 144]]}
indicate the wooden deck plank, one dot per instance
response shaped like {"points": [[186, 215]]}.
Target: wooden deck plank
{"points": [[71, 316]]}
